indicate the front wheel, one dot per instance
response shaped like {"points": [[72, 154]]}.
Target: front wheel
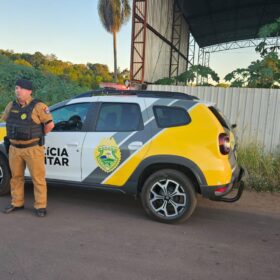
{"points": [[5, 176], [168, 196]]}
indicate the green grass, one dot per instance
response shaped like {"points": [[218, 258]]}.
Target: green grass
{"points": [[263, 168]]}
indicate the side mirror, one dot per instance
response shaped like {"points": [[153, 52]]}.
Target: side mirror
{"points": [[233, 126]]}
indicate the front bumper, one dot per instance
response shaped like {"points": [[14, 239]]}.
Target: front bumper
{"points": [[219, 193]]}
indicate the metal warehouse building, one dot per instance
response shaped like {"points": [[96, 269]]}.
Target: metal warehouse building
{"points": [[164, 32]]}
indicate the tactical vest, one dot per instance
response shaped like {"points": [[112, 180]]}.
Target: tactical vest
{"points": [[20, 125]]}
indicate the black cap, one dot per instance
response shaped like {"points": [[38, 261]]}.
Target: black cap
{"points": [[23, 83]]}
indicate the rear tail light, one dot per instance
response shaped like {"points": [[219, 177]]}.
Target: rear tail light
{"points": [[220, 190], [224, 144]]}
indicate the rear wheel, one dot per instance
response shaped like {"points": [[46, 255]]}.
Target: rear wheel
{"points": [[168, 196], [5, 176]]}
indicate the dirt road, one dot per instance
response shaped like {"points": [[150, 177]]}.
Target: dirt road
{"points": [[100, 235]]}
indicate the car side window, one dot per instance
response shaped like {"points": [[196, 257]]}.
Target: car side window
{"points": [[119, 117], [171, 116], [70, 117]]}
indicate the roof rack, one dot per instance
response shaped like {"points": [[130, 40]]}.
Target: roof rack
{"points": [[139, 93]]}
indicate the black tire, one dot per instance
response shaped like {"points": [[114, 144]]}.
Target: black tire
{"points": [[5, 176], [163, 204]]}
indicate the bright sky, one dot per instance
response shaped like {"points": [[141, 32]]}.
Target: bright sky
{"points": [[71, 30]]}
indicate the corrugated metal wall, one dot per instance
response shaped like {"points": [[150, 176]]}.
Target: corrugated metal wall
{"points": [[184, 46], [255, 111], [158, 52], [157, 60]]}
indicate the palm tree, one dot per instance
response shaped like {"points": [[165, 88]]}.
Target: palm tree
{"points": [[113, 14]]}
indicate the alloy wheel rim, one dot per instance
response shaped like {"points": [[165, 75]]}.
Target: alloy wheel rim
{"points": [[167, 198]]}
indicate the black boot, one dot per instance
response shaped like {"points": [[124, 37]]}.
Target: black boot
{"points": [[10, 208], [41, 212]]}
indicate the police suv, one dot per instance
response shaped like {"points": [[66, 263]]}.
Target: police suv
{"points": [[164, 147]]}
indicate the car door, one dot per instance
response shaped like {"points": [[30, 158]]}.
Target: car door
{"points": [[64, 144], [119, 134]]}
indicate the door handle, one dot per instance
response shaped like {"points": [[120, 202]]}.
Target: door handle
{"points": [[135, 145]]}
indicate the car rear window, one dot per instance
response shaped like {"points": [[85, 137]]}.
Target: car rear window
{"points": [[171, 116]]}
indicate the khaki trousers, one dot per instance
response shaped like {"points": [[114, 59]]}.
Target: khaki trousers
{"points": [[34, 159]]}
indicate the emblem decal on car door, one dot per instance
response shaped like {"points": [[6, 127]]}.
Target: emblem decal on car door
{"points": [[107, 154]]}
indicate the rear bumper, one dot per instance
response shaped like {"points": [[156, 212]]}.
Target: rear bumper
{"points": [[219, 193]]}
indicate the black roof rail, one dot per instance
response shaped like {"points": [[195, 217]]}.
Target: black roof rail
{"points": [[166, 94], [139, 93], [104, 92]]}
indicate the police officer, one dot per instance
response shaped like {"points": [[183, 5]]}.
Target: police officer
{"points": [[27, 121]]}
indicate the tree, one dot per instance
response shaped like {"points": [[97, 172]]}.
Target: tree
{"points": [[268, 30], [22, 62], [195, 71], [190, 75], [123, 76], [101, 70], [264, 72], [113, 14], [89, 75], [165, 81]]}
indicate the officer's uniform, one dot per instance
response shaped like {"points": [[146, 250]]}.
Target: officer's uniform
{"points": [[25, 128]]}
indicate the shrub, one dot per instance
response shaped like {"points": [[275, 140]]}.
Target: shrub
{"points": [[263, 168]]}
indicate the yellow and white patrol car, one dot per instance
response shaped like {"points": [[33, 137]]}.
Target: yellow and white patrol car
{"points": [[164, 147]]}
